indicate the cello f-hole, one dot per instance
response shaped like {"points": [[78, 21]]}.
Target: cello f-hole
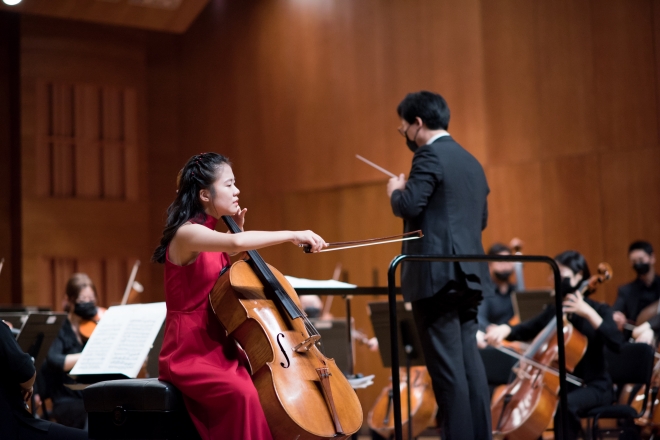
{"points": [[288, 362]]}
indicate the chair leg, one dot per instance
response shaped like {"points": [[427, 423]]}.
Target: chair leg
{"points": [[594, 429]]}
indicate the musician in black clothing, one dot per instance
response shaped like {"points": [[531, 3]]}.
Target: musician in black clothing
{"points": [[497, 308], [593, 320], [633, 297], [68, 407], [17, 375]]}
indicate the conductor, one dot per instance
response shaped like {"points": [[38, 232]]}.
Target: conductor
{"points": [[445, 196]]}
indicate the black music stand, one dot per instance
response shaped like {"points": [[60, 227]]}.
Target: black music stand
{"points": [[410, 347], [16, 319], [333, 342], [37, 335], [529, 303]]}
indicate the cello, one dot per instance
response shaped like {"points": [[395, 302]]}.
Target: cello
{"points": [[303, 394], [528, 404], [423, 405]]}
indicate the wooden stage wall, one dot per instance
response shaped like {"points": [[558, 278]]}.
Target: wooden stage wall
{"points": [[557, 99]]}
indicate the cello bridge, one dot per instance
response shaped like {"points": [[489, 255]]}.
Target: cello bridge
{"points": [[306, 344]]}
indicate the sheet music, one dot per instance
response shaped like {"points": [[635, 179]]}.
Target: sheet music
{"points": [[300, 283], [122, 340]]}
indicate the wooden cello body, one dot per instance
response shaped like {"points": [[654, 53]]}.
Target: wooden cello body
{"points": [[304, 395], [423, 407], [528, 404]]}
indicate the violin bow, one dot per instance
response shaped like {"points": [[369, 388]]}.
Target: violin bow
{"points": [[131, 280], [569, 377], [414, 235]]}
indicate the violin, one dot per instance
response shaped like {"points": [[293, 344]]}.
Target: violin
{"points": [[528, 404], [132, 290], [87, 326], [303, 394], [423, 407]]}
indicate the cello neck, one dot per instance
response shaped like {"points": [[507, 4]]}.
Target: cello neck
{"points": [[263, 272]]}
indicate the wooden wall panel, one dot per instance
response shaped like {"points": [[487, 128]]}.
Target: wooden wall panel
{"points": [[511, 80], [566, 98], [83, 156], [625, 75], [514, 207], [629, 183], [571, 209], [110, 277], [88, 153], [10, 243]]}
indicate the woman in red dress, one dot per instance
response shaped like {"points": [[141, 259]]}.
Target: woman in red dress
{"points": [[197, 356]]}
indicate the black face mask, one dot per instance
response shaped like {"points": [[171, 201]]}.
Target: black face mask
{"points": [[566, 286], [642, 268], [411, 144], [85, 310], [313, 312], [503, 276]]}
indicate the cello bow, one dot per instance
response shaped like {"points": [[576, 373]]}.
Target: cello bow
{"points": [[413, 235]]}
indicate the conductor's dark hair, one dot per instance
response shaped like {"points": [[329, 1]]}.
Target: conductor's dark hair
{"points": [[641, 245], [574, 261], [199, 173], [497, 248], [430, 107]]}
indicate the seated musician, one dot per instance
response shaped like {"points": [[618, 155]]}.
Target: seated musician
{"points": [[68, 407], [197, 356], [640, 293], [17, 376], [592, 319], [497, 308]]}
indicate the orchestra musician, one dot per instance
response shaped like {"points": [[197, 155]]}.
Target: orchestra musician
{"points": [[592, 319], [81, 305], [445, 197], [497, 309], [197, 356], [17, 377], [640, 293]]}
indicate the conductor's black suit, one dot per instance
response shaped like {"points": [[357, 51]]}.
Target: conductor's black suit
{"points": [[446, 197]]}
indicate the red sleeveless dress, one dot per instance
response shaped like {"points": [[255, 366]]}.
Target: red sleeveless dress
{"points": [[201, 361]]}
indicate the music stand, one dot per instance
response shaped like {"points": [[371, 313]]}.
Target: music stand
{"points": [[38, 334], [16, 319], [333, 341], [529, 303], [410, 347]]}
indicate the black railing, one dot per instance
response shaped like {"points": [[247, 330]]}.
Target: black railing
{"points": [[396, 398]]}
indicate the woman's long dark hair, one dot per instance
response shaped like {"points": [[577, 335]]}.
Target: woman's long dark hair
{"points": [[199, 173]]}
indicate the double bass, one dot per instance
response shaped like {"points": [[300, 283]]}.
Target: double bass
{"points": [[528, 404], [303, 394]]}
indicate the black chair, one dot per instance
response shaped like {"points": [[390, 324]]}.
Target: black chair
{"points": [[137, 409], [632, 365]]}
